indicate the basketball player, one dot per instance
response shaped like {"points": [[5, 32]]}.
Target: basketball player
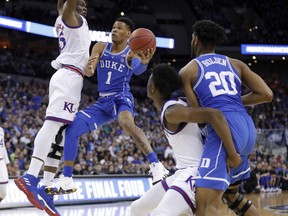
{"points": [[115, 66], [4, 161], [64, 97], [176, 194], [214, 80]]}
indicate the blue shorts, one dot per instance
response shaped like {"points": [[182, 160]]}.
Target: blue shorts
{"points": [[212, 172], [106, 109]]}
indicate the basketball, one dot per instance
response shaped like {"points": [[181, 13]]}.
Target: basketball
{"points": [[141, 39]]}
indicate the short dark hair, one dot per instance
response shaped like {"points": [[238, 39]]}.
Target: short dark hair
{"points": [[127, 21], [209, 32], [165, 79]]}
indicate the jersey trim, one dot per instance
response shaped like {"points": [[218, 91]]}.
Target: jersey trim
{"points": [[185, 196], [74, 69], [241, 173], [164, 184], [233, 70], [201, 73], [6, 182], [168, 104], [52, 118]]}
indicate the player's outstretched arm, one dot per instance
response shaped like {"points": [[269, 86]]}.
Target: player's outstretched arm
{"points": [[179, 113], [260, 91], [140, 60], [69, 15], [60, 6], [90, 67]]}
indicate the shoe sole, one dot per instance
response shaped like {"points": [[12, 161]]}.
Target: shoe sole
{"points": [[20, 183], [54, 191], [50, 213]]}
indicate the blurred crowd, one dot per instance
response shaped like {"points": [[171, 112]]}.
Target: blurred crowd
{"points": [[258, 18], [109, 150]]}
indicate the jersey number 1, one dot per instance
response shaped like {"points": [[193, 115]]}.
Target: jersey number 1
{"points": [[220, 85], [109, 78]]}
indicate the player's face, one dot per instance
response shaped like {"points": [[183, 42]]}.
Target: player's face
{"points": [[81, 7], [120, 32]]}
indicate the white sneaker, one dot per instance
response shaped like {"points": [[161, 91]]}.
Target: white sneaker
{"points": [[158, 172], [63, 185]]}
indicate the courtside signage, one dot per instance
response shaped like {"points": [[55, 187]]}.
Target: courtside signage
{"points": [[264, 49], [90, 190]]}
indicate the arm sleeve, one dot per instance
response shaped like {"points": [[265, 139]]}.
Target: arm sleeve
{"points": [[138, 67]]}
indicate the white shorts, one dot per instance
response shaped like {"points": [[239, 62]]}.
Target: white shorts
{"points": [[64, 95], [183, 181], [3, 172]]}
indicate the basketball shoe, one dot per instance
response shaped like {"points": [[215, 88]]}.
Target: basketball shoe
{"points": [[64, 185], [48, 202], [28, 184], [158, 172]]}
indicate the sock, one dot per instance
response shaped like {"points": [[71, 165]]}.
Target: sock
{"points": [[152, 158], [48, 178], [50, 174], [67, 171], [72, 134], [42, 145]]}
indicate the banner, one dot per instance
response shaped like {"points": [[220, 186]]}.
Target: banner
{"points": [[89, 190]]}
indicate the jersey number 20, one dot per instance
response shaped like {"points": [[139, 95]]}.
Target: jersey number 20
{"points": [[220, 85]]}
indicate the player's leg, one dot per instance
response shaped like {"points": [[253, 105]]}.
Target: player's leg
{"points": [[72, 133], [3, 191], [238, 202], [150, 200], [173, 203], [124, 106], [50, 169], [87, 120], [208, 201], [28, 183], [180, 198], [213, 178], [3, 179]]}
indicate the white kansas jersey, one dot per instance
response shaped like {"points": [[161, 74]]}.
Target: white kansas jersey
{"points": [[186, 142], [74, 44], [3, 152]]}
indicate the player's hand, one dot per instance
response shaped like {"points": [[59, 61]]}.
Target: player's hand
{"points": [[89, 69], [145, 56], [233, 161]]}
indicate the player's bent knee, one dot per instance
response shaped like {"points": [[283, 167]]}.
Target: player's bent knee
{"points": [[239, 201]]}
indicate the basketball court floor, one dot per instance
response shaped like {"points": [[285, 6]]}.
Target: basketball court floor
{"points": [[269, 204]]}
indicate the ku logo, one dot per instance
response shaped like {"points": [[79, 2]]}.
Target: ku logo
{"points": [[69, 107]]}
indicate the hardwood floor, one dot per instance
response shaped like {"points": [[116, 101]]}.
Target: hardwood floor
{"points": [[268, 204]]}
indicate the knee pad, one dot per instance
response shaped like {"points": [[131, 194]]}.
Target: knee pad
{"points": [[234, 205], [56, 149]]}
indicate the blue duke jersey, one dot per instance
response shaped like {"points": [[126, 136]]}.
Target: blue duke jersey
{"points": [[113, 71], [218, 83], [219, 86]]}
